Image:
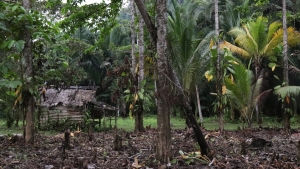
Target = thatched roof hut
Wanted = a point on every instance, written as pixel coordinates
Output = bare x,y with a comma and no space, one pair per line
69,104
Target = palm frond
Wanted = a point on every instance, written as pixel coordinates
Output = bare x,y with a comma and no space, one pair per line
293,40
256,91
258,30
293,37
249,43
288,90
274,26
237,31
235,49
294,71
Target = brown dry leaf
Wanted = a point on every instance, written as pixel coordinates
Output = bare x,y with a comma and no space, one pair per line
135,164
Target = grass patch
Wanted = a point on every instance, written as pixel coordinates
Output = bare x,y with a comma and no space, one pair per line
13,130
127,124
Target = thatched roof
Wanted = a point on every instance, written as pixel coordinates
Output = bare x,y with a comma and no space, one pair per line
73,98
67,97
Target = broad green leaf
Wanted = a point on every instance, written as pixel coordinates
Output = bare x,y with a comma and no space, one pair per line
141,96
14,7
127,91
4,70
23,9
273,58
20,45
30,90
214,52
16,83
3,27
144,82
11,43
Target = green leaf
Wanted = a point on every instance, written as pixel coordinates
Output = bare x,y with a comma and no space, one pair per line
23,9
30,90
3,27
14,7
65,64
127,91
272,65
20,45
214,52
276,77
4,70
123,74
273,58
11,43
141,96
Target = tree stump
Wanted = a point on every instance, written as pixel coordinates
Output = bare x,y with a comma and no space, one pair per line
243,147
298,152
90,132
67,139
118,143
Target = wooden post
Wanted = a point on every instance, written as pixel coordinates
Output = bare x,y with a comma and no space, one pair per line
118,143
90,132
67,139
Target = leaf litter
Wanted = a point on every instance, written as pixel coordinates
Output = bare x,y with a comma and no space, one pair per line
248,148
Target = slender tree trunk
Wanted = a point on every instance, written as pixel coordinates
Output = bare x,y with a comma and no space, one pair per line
162,103
132,27
150,25
287,115
218,67
163,114
28,77
205,149
139,125
199,106
141,49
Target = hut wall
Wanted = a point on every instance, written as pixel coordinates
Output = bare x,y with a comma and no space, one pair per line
61,113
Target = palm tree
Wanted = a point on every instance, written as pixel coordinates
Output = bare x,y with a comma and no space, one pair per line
240,89
186,48
256,40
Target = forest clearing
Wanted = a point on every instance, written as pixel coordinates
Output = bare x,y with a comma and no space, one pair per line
69,70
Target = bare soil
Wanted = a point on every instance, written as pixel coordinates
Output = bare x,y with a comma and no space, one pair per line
248,148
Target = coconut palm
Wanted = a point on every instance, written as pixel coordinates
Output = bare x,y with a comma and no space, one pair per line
256,40
185,46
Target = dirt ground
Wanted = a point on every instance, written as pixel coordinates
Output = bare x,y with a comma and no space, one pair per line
248,148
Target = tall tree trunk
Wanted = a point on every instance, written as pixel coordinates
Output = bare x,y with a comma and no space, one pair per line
287,115
205,150
132,27
139,125
218,67
28,77
163,114
199,106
